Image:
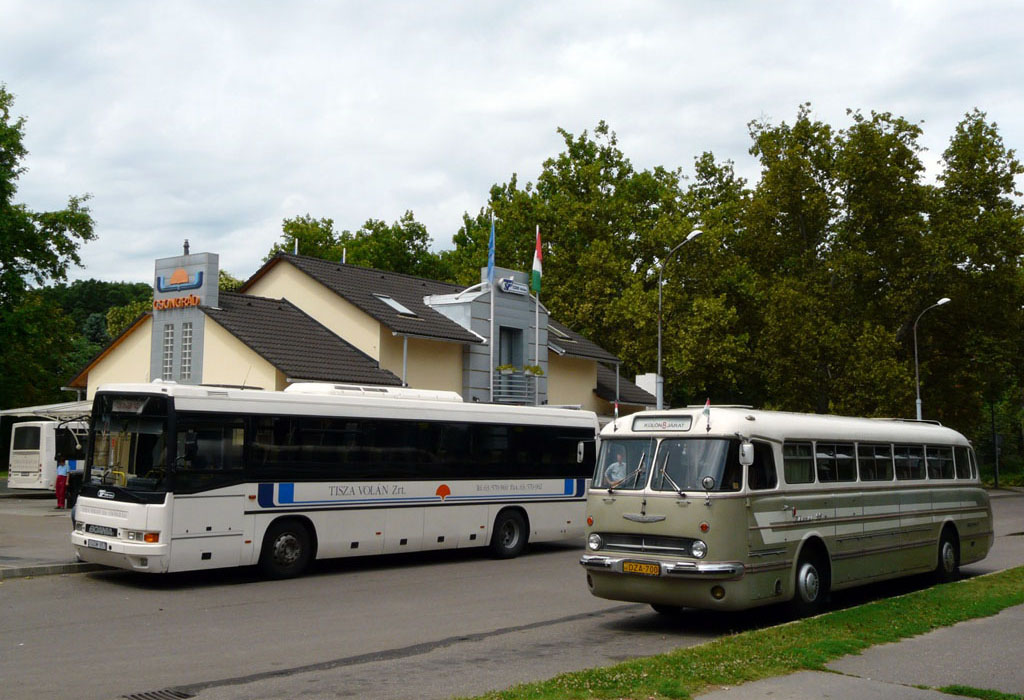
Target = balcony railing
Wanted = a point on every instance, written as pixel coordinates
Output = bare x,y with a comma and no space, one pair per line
514,388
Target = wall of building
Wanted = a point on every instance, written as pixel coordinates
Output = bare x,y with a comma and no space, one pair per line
180,286
284,281
228,360
128,361
511,310
571,382
431,364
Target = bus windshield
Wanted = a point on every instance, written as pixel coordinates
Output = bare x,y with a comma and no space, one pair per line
129,445
624,464
682,465
679,464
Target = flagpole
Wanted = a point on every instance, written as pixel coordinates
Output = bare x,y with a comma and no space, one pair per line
490,288
536,345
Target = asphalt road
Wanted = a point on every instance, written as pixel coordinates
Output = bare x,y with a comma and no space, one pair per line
421,626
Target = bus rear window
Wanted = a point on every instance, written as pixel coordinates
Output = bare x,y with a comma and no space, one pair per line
26,438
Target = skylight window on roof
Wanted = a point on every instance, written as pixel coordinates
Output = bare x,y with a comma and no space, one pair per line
396,305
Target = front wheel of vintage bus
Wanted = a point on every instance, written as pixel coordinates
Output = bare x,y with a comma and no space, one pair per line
812,585
509,537
286,549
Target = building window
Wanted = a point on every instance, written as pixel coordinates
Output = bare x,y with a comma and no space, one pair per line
167,372
510,346
186,352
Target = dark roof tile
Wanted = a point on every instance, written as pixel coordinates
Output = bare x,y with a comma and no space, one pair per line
294,342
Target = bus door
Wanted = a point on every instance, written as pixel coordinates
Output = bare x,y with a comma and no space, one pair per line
208,519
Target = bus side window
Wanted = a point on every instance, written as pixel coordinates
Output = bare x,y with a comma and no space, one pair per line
798,462
963,466
761,474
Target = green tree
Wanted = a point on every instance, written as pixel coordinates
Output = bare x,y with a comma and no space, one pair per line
973,348
120,317
226,282
603,226
403,246
35,248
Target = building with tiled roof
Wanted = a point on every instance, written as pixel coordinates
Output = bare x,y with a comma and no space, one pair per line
306,319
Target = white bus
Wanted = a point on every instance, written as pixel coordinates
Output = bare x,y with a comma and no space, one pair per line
190,477
34,452
730,508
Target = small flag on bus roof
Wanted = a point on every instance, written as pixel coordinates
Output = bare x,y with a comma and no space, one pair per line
707,412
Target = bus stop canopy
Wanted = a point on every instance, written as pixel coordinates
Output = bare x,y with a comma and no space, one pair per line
52,411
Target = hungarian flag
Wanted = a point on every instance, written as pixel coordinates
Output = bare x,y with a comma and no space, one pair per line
535,279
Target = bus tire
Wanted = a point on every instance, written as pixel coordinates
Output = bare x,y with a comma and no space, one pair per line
287,550
811,585
508,539
948,566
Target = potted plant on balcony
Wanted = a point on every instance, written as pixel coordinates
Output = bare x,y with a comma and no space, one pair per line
505,369
535,370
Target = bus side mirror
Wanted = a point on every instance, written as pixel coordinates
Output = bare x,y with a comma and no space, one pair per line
746,454
580,451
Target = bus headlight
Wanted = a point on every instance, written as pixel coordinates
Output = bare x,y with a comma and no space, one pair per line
699,549
79,526
147,537
594,541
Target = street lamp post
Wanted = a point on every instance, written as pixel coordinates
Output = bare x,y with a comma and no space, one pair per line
659,380
917,376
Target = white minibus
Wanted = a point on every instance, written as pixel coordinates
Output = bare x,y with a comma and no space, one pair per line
34,450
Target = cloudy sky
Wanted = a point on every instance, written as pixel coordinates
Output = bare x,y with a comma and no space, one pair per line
215,120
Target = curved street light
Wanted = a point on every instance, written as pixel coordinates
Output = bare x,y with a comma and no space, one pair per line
659,380
917,376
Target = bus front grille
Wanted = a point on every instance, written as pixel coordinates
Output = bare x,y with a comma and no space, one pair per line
647,544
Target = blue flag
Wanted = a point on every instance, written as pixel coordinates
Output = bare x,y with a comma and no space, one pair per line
490,255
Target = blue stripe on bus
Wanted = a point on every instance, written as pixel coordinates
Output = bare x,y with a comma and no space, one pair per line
286,496
266,495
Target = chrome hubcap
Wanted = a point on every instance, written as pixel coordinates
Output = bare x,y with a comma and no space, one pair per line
948,557
808,583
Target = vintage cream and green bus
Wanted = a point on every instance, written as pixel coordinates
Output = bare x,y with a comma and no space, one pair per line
730,508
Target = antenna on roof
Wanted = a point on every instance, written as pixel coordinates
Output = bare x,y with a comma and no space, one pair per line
186,246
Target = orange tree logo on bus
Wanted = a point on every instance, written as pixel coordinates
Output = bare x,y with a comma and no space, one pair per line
443,491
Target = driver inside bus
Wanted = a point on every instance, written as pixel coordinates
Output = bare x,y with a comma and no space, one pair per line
616,472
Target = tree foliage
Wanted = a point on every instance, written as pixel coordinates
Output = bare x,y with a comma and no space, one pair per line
403,246
35,248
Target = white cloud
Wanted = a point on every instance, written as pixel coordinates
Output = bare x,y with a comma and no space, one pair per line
214,121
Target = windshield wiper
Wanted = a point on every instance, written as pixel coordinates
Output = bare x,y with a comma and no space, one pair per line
664,475
633,473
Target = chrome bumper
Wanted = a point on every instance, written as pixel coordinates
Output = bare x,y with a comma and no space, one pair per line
676,569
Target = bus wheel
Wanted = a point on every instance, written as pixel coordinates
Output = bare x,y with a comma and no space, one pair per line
286,549
948,566
811,586
509,537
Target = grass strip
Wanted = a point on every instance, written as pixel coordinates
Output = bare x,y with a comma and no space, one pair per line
967,691
781,650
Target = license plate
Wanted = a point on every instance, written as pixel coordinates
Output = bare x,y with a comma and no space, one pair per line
96,544
642,568
101,530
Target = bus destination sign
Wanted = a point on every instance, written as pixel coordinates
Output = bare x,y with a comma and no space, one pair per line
662,423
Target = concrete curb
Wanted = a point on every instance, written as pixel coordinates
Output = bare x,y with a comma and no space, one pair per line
49,570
